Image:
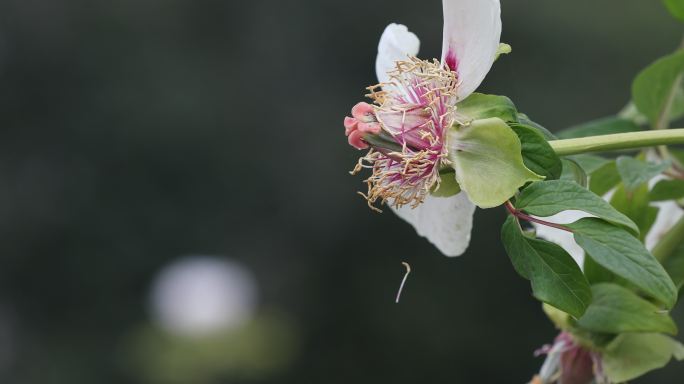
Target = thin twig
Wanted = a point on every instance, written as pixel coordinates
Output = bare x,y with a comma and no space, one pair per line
520,215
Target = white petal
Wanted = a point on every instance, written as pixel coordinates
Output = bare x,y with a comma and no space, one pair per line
668,215
396,43
563,238
472,31
445,221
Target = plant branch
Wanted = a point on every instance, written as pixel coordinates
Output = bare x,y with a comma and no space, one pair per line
618,141
520,215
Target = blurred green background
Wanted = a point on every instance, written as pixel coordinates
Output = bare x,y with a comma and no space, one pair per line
136,133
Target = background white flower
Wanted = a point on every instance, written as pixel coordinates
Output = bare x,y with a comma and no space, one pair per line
199,295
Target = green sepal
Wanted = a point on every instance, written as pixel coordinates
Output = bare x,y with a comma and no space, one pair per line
503,49
480,106
448,185
486,155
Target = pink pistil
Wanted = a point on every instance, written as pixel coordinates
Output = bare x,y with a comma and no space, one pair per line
363,121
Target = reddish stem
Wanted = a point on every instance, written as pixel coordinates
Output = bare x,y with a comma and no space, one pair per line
520,215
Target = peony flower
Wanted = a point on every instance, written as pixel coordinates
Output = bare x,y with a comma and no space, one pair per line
414,106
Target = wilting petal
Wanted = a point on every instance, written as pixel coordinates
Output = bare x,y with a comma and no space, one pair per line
563,238
396,43
445,221
472,30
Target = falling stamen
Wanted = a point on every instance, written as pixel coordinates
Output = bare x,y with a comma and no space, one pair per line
403,281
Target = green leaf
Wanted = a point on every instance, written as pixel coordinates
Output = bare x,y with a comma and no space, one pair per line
524,119
667,190
604,126
621,253
448,185
635,172
655,86
676,8
573,171
486,155
480,106
538,155
550,197
631,355
590,163
595,273
615,309
635,205
556,279
604,179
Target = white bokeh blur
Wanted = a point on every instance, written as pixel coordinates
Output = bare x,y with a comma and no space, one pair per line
197,296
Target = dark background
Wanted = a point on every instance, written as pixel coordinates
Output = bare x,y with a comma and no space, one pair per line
135,132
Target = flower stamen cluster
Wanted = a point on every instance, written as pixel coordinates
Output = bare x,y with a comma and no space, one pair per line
414,110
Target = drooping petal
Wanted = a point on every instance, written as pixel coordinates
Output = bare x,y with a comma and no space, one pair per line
396,43
472,31
445,221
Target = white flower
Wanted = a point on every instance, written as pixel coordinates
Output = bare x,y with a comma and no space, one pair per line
472,30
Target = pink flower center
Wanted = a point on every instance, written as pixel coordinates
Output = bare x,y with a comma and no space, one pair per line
413,112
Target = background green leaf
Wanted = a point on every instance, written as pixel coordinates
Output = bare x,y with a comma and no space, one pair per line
654,85
635,205
634,172
604,179
556,279
676,8
615,309
604,126
667,190
621,253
